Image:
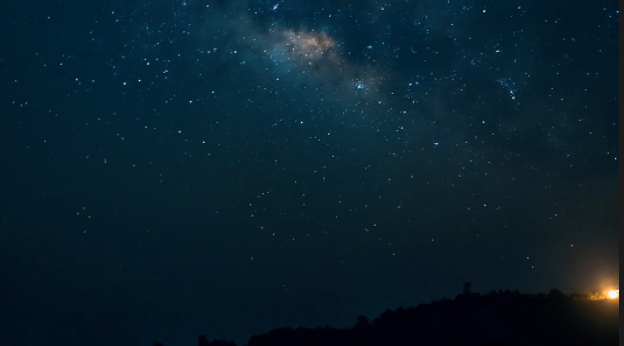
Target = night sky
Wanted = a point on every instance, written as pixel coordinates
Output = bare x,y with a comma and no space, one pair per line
176,168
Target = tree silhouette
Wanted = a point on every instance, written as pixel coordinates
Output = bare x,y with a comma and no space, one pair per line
203,341
362,322
502,318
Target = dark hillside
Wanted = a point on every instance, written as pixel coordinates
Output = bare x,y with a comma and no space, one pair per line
497,318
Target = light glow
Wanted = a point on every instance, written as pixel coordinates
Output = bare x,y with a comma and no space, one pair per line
613,294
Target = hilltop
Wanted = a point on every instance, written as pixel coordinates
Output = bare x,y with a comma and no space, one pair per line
497,318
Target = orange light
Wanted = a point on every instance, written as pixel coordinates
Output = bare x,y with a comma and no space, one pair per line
613,294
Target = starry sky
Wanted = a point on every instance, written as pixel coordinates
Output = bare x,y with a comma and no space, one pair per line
176,168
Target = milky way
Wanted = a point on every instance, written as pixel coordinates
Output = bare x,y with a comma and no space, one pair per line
229,167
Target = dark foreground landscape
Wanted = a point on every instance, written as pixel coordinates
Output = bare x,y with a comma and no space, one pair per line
497,318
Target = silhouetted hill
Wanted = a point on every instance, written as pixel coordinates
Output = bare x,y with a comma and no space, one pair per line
497,318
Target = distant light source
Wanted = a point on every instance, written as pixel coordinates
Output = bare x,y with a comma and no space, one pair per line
613,294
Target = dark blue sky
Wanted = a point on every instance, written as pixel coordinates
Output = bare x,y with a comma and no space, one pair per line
225,168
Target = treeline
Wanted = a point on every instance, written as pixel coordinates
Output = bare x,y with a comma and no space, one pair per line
497,318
